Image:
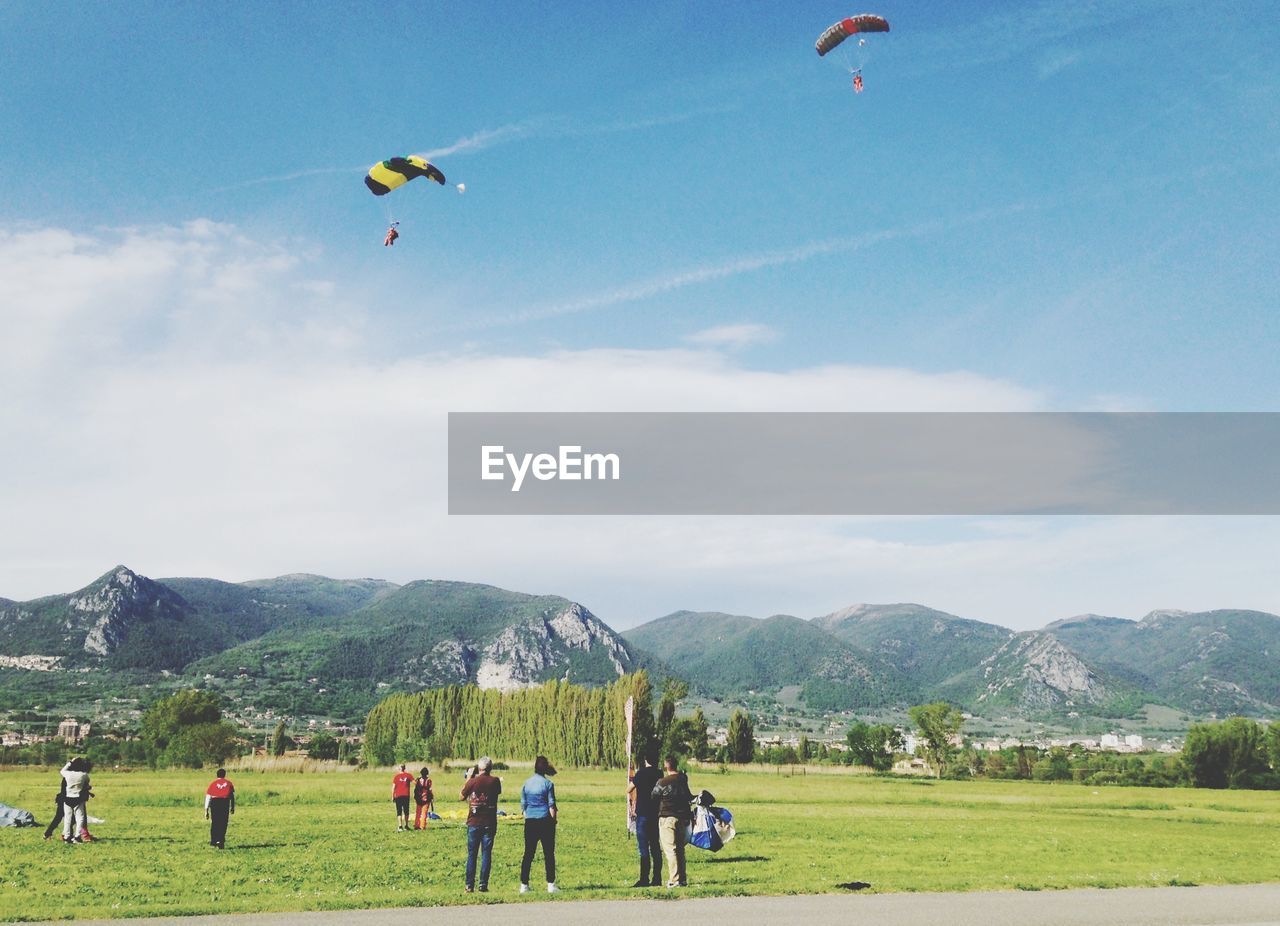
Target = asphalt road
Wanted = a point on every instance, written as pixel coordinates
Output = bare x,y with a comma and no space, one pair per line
1253,904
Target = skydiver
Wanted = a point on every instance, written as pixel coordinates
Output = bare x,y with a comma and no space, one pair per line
857,82
392,235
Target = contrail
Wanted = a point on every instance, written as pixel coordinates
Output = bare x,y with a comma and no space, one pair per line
645,289
539,127
483,139
476,141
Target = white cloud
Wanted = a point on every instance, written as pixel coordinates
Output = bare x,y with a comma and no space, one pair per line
189,401
1055,61
733,336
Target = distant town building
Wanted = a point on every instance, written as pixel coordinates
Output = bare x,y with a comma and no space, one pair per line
1110,741
1133,741
72,732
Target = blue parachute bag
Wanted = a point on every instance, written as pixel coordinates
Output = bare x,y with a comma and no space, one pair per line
703,832
712,826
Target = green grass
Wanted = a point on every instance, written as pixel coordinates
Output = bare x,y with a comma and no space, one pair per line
327,841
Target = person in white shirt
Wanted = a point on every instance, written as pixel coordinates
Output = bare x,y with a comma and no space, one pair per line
74,824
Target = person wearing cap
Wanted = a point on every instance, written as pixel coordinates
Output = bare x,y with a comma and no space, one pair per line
481,794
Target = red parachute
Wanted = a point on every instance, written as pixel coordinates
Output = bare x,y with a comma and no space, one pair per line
864,22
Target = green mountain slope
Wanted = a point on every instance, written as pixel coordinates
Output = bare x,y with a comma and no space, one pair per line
119,621
314,646
926,645
726,654
243,611
1034,673
1220,662
420,635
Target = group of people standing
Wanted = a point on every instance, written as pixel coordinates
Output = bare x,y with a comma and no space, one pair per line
481,791
660,805
404,785
538,805
75,792
660,802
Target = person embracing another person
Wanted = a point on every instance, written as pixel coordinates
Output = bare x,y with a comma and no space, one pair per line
674,816
481,793
75,779
59,810
538,804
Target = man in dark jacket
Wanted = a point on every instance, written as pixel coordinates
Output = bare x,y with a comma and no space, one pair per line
674,815
481,794
645,810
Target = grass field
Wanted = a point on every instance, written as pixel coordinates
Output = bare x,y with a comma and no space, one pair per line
328,841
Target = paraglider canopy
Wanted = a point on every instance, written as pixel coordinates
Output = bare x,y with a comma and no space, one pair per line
837,33
385,176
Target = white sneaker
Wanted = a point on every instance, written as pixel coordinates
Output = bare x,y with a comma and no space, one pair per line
551,888
399,829
524,889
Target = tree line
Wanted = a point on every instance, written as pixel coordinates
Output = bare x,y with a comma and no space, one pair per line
569,724
1234,753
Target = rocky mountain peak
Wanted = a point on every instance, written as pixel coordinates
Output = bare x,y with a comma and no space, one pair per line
114,602
1038,671
1161,616
523,653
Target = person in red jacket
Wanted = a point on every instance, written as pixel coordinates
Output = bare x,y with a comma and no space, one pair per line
219,804
401,789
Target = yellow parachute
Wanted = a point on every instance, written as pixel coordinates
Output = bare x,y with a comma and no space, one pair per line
385,176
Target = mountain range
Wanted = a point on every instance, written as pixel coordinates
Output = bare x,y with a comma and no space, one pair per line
313,646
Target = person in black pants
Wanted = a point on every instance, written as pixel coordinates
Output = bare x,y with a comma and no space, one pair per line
645,810
58,811
219,804
538,803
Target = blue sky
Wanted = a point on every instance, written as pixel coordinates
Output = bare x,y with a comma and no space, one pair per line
1072,204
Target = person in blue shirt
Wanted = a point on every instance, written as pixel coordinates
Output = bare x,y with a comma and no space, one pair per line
538,803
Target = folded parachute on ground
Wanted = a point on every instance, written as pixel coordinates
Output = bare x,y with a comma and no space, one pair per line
14,816
865,22
385,176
